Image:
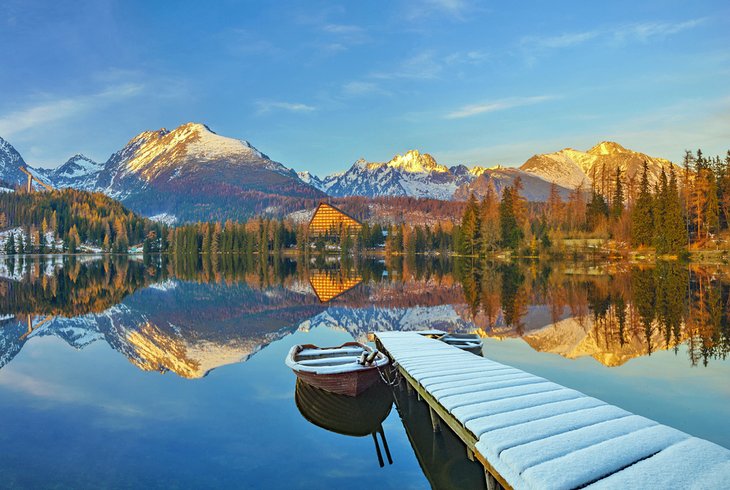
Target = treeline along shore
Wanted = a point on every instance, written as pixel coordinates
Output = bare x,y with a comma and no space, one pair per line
686,211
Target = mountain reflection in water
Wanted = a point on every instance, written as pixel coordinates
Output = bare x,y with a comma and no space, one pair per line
191,316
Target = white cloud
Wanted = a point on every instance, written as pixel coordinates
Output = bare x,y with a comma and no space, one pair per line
497,105
53,110
270,105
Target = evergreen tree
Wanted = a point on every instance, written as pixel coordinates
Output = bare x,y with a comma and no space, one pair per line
512,233
661,205
489,211
642,223
674,228
617,201
10,245
596,211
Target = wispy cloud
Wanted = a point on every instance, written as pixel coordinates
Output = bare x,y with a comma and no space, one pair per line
53,110
422,66
562,41
346,29
644,31
638,31
497,105
473,57
456,9
265,106
357,87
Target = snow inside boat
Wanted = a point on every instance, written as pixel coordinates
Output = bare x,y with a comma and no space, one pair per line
348,369
469,342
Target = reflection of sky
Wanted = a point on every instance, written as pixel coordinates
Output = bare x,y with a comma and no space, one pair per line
90,418
661,386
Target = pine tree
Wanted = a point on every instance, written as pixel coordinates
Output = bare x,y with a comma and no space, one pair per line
489,211
10,245
642,223
661,204
617,201
596,211
512,233
674,228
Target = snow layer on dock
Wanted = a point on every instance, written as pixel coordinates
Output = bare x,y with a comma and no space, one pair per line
538,434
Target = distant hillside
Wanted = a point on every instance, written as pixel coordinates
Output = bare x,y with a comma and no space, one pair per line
81,216
570,168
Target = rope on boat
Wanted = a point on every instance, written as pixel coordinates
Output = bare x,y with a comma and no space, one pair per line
391,371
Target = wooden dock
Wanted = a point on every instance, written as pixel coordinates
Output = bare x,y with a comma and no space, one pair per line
528,432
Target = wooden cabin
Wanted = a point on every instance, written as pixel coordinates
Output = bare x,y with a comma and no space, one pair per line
328,220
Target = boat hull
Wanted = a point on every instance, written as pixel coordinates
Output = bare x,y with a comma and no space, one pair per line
349,383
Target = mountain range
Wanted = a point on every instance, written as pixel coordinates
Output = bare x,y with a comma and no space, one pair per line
192,173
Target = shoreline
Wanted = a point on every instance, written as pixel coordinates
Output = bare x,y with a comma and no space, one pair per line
646,256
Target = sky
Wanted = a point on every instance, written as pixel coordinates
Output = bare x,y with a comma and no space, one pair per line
318,84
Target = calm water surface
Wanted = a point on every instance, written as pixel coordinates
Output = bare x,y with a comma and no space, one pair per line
120,373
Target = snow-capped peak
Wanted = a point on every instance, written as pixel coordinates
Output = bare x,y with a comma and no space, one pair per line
607,148
151,152
202,141
414,161
78,166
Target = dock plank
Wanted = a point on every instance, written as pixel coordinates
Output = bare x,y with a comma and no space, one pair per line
529,432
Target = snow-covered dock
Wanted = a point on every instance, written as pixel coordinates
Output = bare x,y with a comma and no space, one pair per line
531,433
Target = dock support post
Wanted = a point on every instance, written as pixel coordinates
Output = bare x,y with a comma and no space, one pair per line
435,420
469,453
491,481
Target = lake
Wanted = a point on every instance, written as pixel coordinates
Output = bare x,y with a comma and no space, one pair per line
129,373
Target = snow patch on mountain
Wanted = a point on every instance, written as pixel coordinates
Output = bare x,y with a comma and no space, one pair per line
166,218
413,174
79,172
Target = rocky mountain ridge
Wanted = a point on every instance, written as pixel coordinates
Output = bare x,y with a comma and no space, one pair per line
192,173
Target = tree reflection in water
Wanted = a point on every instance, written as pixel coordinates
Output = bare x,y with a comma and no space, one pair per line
160,310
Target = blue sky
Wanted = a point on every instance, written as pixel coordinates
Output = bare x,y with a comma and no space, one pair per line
316,85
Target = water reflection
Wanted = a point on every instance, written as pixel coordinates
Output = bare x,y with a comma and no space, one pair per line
192,316
358,416
441,454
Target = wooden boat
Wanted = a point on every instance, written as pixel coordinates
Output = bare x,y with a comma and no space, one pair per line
469,342
348,369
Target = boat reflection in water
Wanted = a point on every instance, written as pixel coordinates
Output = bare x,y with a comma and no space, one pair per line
442,455
351,416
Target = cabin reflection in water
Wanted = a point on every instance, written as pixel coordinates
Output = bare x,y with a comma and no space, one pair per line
441,454
328,285
358,416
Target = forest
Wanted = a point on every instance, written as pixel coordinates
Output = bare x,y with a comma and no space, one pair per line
687,209
66,219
